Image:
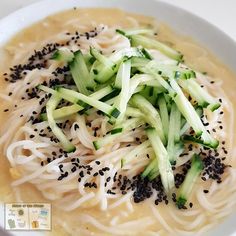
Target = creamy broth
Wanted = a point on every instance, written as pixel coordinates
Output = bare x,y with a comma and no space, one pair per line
196,56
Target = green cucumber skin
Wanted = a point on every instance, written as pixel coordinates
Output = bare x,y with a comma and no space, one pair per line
164,166
150,112
50,107
189,181
137,40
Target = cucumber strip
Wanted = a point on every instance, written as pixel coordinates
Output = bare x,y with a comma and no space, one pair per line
101,58
135,31
139,89
139,61
66,111
110,138
43,117
132,124
144,79
168,70
183,73
112,95
151,94
63,55
134,112
164,166
102,72
137,80
105,94
168,100
153,174
63,112
174,132
203,98
153,165
80,74
67,94
176,120
118,81
47,89
150,113
147,54
156,84
89,60
135,152
118,56
109,65
191,116
50,107
123,98
190,138
102,93
154,72
111,101
164,114
186,126
189,181
123,74
116,130
137,40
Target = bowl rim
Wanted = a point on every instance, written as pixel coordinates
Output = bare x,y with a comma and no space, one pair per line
222,45
15,20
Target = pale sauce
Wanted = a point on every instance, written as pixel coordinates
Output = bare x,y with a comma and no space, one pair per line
196,56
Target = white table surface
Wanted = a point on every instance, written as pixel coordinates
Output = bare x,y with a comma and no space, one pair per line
219,12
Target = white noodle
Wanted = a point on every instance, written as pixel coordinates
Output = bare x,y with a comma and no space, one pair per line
69,194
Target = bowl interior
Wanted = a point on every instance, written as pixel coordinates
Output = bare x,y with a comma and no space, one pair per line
183,22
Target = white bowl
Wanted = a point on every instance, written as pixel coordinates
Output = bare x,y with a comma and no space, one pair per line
180,20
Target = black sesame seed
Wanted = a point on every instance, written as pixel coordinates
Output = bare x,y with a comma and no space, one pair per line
60,177
110,192
95,174
76,126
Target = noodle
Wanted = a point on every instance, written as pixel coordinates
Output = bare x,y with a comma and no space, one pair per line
100,205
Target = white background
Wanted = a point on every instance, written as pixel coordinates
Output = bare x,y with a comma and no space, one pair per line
221,13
